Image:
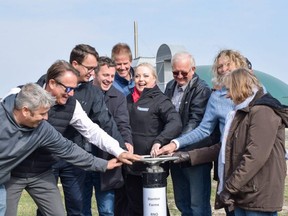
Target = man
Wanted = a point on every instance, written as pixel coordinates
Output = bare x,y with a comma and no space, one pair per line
106,183
219,105
124,81
122,55
35,171
23,130
189,94
84,58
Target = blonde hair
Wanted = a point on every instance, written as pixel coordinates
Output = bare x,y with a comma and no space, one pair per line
150,67
232,56
240,83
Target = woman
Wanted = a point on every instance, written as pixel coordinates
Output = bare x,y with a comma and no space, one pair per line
253,148
154,122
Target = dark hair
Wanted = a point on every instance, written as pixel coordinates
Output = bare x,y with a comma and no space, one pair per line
58,68
80,51
104,60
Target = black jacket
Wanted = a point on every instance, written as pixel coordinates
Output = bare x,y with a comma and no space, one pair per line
192,108
117,106
92,102
153,119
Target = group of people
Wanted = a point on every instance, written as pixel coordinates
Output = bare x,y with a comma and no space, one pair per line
114,113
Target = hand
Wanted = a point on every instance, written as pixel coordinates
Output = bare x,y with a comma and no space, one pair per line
155,149
183,157
225,197
167,149
128,158
113,163
129,147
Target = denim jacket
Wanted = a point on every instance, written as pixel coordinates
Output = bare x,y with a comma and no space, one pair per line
217,108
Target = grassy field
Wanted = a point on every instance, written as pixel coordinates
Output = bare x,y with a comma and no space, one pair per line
27,206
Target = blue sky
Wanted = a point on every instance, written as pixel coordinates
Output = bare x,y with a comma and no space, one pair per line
35,33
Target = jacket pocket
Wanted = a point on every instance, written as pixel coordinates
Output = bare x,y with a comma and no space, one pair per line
249,187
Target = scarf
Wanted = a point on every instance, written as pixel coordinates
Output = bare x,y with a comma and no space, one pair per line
228,121
136,95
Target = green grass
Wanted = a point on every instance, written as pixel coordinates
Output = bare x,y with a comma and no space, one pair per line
27,206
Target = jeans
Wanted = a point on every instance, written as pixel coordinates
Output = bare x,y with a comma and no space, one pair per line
72,179
243,212
2,200
105,199
192,189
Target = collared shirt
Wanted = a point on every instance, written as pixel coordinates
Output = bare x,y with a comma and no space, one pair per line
217,108
177,96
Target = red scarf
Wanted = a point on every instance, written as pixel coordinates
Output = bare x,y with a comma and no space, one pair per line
136,95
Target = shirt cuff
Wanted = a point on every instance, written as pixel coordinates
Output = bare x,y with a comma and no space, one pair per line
176,142
118,152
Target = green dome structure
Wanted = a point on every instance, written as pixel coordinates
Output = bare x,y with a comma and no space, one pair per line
274,86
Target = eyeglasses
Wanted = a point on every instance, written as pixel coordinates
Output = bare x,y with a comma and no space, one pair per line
67,88
89,69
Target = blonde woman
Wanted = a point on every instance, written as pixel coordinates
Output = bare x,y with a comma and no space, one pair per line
253,149
154,122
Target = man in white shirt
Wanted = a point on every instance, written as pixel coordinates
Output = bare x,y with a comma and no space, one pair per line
34,173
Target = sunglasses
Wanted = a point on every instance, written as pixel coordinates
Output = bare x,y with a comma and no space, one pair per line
183,73
67,88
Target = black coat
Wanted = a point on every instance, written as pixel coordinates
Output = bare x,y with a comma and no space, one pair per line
91,100
192,108
153,119
117,106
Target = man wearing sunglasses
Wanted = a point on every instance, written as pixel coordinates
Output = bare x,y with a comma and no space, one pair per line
189,94
34,173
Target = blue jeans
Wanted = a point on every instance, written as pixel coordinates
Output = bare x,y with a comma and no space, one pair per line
105,199
243,212
2,200
72,179
192,189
